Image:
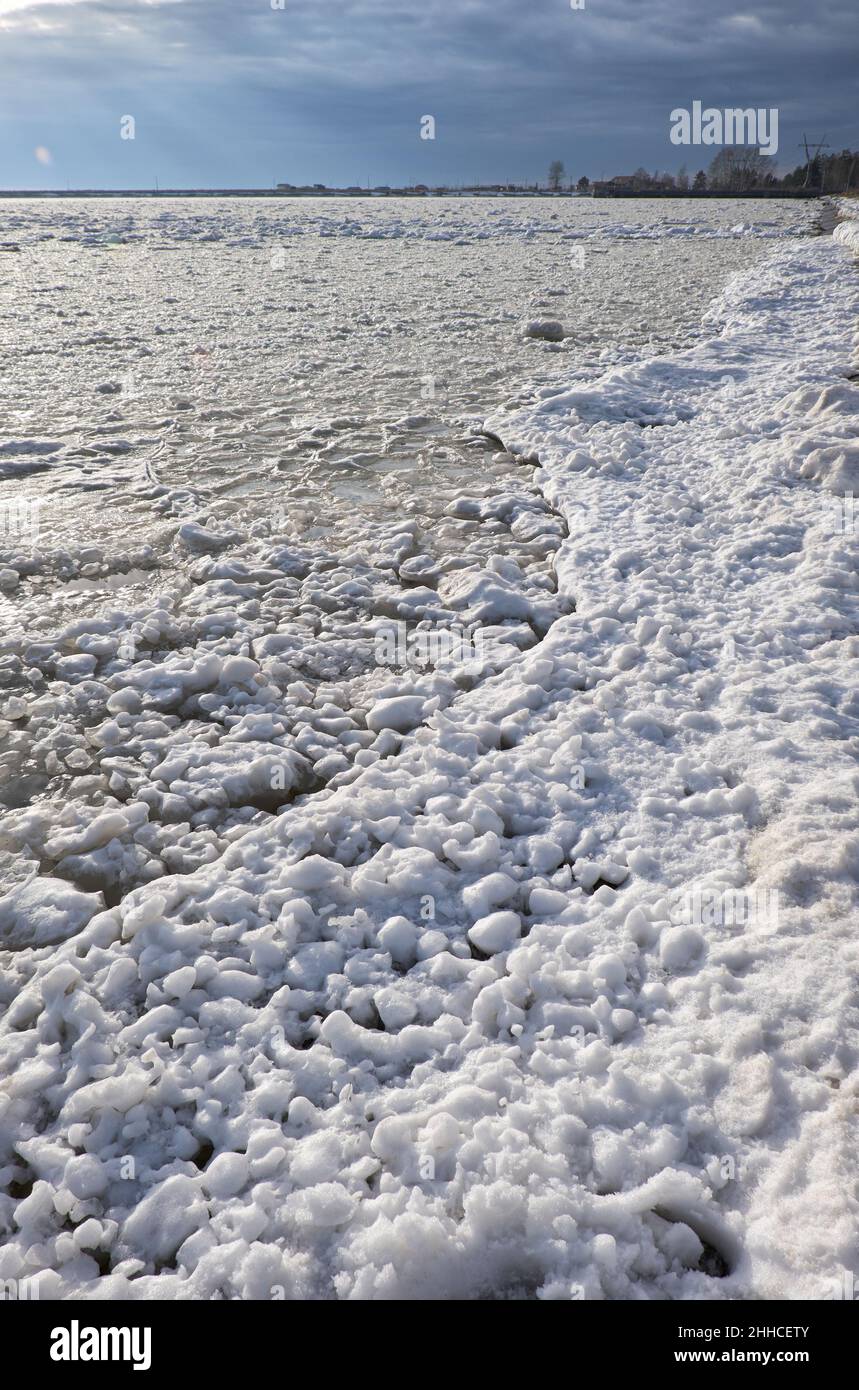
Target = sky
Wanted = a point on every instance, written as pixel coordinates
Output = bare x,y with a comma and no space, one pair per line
249,93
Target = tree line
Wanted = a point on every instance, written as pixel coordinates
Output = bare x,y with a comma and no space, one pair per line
735,169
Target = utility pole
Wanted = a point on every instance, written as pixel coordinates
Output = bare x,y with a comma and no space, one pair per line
821,145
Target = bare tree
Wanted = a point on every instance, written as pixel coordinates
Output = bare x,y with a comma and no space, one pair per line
556,174
738,168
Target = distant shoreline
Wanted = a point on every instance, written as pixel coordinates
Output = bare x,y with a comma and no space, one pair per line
792,193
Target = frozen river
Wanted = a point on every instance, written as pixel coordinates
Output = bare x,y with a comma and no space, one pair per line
338,960
318,362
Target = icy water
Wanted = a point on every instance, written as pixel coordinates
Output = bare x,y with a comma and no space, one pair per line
320,362
223,420
327,973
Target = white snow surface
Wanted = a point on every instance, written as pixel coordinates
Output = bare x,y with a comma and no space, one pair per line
847,231
438,1029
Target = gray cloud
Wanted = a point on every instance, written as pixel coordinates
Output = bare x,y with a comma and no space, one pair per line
232,91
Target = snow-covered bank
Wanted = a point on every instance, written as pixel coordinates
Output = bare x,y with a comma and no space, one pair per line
446,1026
847,231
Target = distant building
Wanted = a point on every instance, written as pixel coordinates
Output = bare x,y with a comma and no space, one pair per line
639,182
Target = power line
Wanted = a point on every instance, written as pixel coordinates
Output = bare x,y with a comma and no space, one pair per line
821,145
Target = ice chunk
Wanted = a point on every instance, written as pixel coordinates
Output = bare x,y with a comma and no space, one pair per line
402,713
550,330
498,932
164,1218
43,911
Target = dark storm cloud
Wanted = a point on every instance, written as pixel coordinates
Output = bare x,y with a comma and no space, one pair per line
233,91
